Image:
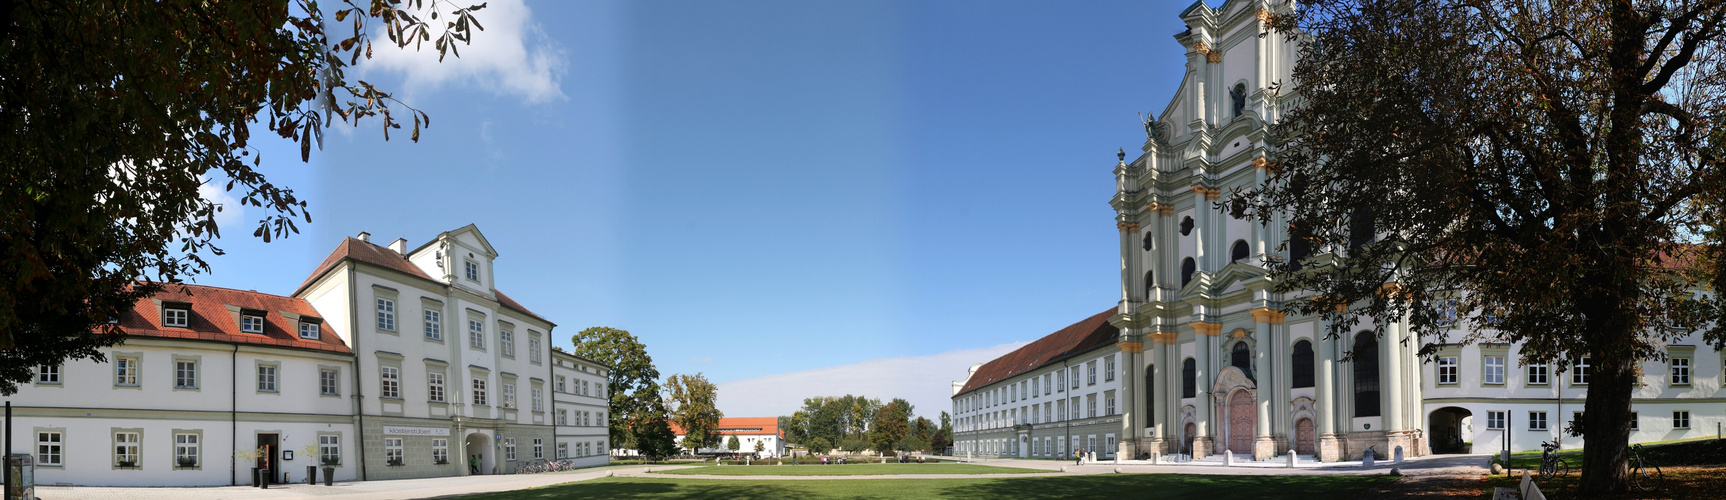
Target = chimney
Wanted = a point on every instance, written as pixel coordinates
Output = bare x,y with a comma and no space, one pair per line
400,245
365,236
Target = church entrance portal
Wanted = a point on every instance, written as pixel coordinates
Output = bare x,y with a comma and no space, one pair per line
1241,422
1449,428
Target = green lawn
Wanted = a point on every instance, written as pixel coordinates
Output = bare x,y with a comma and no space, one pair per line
1028,488
848,470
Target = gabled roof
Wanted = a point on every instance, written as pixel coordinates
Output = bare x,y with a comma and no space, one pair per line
741,426
509,303
210,319
1076,339
370,253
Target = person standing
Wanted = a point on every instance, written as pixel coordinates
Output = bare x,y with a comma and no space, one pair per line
473,463
1076,454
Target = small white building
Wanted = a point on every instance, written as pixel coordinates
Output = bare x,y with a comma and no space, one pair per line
749,431
578,393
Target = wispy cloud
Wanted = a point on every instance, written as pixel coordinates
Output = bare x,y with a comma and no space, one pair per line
512,56
925,381
231,210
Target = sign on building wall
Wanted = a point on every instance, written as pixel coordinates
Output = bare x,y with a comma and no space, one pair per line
396,430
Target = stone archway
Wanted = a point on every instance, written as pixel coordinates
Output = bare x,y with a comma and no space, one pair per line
1234,395
1448,428
1191,432
1242,421
478,445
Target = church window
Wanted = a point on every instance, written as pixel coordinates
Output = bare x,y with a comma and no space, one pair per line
1147,240
1150,282
1238,97
1186,226
1187,269
1239,251
1366,403
1302,364
1242,357
1189,378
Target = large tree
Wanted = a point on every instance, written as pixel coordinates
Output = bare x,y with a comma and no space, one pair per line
890,428
694,405
632,381
114,113
1538,172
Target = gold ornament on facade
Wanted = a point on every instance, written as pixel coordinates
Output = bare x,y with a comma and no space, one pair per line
1394,291
1267,315
1239,333
1208,193
1161,208
1203,328
1214,57
1131,227
1201,48
1131,346
1264,16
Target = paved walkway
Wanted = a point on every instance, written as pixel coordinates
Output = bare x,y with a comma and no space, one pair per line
457,486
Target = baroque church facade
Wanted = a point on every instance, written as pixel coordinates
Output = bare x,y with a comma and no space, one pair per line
1209,362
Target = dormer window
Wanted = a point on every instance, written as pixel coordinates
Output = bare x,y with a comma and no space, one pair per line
308,330
251,323
174,316
472,270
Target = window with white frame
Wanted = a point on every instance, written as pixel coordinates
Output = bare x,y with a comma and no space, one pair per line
533,349
1109,403
308,330
1579,372
126,370
538,398
506,341
126,449
48,374
584,387
1495,420
538,448
434,324
393,452
1447,370
435,387
251,324
560,384
390,382
563,417
328,384
1680,371
1537,421
266,378
1091,373
479,391
1537,373
509,449
1635,423
175,317
472,270
508,395
186,449
330,449
562,451
185,374
386,315
1494,374
476,334
1091,405
440,451
1681,419
1075,377
1109,368
1046,387
49,448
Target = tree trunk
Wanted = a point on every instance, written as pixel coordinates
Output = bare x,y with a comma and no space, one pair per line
1606,426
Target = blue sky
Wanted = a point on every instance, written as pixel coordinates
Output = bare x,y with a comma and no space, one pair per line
805,193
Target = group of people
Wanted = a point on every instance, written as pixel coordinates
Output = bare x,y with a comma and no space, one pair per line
905,459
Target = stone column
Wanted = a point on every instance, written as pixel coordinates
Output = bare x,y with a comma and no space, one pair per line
1264,447
1390,390
1328,448
1158,408
1127,446
1202,333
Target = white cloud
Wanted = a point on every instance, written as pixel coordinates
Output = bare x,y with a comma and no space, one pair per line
512,56
925,381
231,208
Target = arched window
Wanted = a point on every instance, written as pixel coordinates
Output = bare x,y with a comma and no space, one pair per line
1365,374
1187,269
1239,96
1238,252
1302,364
1361,228
1242,357
1150,282
1186,226
1147,241
1189,378
1298,251
1150,395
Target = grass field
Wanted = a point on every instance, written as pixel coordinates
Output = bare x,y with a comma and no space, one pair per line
848,470
1028,488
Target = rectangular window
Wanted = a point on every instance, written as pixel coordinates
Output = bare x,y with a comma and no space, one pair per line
390,379
1680,371
1537,374
266,378
434,387
533,350
563,417
1537,421
186,450
386,315
1495,420
327,383
538,448
48,449
508,395
440,451
330,449
1109,369
509,449
251,324
1446,370
1091,406
476,334
434,324
1091,373
562,451
1579,372
1494,370
479,392
472,270
1075,377
560,384
506,340
1046,384
48,374
1635,424
175,318
538,399
1681,419
393,451
1109,403
126,371
125,449
185,375
309,331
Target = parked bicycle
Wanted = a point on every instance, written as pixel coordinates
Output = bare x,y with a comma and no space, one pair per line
1646,475
1550,464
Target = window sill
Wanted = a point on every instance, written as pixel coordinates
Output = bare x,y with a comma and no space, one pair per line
191,389
270,393
1682,386
195,467
128,386
329,395
437,339
390,398
48,384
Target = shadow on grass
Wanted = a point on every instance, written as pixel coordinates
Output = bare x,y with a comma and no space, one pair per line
654,489
1169,486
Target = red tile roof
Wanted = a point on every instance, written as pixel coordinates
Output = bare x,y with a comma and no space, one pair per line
371,253
505,301
742,426
210,320
1075,339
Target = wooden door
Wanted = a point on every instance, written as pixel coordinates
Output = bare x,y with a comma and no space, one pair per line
1242,418
1304,443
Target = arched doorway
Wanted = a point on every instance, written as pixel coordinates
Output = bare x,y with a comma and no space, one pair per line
1192,431
1304,439
478,446
1241,422
1449,428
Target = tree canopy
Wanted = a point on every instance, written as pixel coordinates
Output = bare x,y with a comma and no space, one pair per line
890,428
694,405
1538,172
114,113
632,382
